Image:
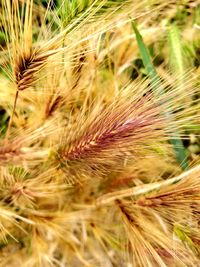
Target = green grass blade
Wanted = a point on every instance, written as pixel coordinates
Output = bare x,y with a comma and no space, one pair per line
2,38
156,84
176,58
151,72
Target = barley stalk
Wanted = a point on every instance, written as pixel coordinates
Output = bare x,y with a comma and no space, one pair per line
148,188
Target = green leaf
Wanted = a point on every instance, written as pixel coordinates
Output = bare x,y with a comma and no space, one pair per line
2,38
158,89
183,235
3,123
175,46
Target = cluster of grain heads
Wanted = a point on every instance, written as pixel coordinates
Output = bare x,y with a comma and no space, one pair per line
88,170
170,209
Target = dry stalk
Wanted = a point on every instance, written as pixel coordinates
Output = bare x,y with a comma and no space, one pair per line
148,188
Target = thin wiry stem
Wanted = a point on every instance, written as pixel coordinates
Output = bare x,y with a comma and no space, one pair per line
11,118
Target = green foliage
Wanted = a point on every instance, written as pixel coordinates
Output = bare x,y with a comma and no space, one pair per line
4,117
176,141
76,11
2,38
175,48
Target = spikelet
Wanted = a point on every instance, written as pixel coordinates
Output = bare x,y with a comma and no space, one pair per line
115,133
26,68
112,136
176,207
155,247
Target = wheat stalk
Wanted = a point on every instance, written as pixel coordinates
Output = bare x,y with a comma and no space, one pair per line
145,189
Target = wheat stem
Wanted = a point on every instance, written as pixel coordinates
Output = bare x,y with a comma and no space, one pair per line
145,189
11,118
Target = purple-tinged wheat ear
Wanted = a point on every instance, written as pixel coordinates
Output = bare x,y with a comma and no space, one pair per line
116,130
